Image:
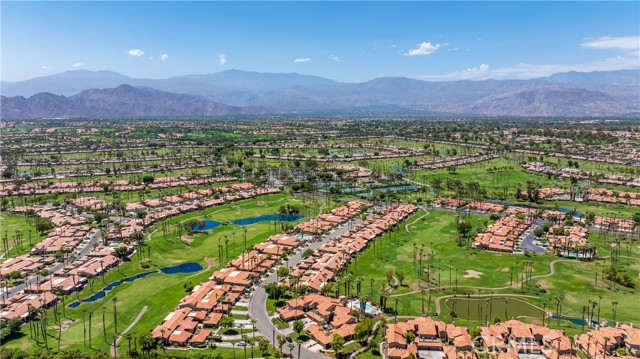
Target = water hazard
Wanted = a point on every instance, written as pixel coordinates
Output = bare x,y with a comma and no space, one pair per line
211,224
181,268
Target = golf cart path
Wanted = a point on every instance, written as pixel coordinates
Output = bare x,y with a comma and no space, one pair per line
406,226
551,272
437,300
135,321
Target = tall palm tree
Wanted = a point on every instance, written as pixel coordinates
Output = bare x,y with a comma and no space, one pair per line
90,315
104,328
396,310
599,299
128,337
84,329
115,315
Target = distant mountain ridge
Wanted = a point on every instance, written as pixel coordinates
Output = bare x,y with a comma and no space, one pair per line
119,102
102,94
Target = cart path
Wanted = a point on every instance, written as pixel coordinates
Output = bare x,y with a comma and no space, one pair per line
437,300
551,272
135,321
406,226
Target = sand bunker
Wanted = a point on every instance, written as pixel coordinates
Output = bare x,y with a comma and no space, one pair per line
472,274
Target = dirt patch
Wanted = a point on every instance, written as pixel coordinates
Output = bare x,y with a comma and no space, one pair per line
505,269
545,285
404,258
472,274
570,298
66,324
415,285
187,239
210,262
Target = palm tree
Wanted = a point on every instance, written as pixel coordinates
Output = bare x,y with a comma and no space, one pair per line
281,340
115,316
84,329
599,299
128,337
371,286
358,285
396,310
244,339
162,331
593,307
104,328
90,315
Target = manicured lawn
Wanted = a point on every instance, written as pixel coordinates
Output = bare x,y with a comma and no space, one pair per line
10,224
494,175
573,280
281,324
600,209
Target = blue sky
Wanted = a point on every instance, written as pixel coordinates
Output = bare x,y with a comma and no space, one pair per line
344,41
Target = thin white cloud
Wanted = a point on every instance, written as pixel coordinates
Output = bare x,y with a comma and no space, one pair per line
471,73
619,43
425,48
335,58
45,67
135,52
77,64
529,71
302,60
164,57
629,59
222,59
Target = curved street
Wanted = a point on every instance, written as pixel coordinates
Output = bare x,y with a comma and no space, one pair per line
258,300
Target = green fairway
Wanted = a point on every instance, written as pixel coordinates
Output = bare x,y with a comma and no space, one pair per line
485,310
483,273
12,224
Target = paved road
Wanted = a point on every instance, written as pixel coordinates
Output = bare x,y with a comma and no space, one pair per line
527,241
33,280
257,303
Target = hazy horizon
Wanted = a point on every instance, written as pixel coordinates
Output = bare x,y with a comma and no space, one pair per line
346,42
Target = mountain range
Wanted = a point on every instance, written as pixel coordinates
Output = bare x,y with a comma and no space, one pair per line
107,94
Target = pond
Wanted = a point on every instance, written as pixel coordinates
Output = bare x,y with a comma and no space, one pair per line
210,224
573,320
560,209
181,268
489,308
